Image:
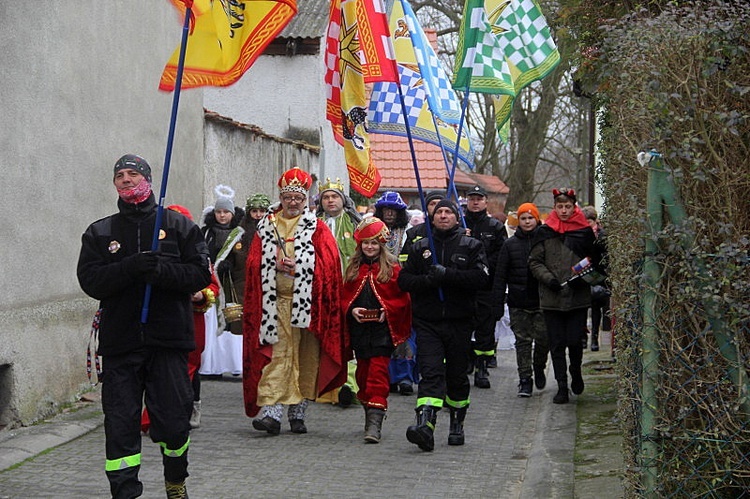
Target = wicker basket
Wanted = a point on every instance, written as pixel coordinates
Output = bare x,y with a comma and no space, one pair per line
232,312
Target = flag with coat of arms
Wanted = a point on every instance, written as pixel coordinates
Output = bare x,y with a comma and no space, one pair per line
226,37
358,51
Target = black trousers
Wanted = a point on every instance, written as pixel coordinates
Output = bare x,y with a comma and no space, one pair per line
443,361
162,376
484,326
564,331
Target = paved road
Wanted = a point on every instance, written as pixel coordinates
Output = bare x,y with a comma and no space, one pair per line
515,448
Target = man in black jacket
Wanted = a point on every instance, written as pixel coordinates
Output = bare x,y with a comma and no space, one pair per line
443,291
491,232
562,245
418,232
144,357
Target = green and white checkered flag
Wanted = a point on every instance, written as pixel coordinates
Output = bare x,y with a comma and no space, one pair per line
503,46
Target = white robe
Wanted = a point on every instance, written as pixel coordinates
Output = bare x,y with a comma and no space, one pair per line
223,353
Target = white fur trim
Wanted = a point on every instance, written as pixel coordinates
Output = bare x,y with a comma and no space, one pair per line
304,253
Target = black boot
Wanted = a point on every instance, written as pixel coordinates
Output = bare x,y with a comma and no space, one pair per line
576,379
525,387
540,378
594,341
422,432
373,423
456,432
562,396
481,375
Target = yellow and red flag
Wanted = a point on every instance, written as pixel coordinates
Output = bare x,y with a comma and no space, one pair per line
358,50
332,76
378,59
226,39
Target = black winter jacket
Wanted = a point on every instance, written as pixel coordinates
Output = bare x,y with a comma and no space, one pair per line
512,270
490,231
103,274
215,234
466,272
413,234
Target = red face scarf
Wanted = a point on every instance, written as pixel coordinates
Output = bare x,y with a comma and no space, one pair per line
137,194
576,221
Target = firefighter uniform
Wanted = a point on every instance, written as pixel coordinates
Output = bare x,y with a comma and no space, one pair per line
147,359
443,294
491,232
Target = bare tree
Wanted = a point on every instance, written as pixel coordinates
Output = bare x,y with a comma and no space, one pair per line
545,143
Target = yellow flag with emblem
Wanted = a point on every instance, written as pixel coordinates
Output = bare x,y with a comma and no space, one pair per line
226,37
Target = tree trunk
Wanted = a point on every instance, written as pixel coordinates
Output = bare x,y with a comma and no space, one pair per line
530,131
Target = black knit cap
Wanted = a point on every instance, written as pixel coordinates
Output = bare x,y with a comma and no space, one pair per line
133,162
446,203
431,195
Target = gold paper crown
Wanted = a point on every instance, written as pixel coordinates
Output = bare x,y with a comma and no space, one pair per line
331,185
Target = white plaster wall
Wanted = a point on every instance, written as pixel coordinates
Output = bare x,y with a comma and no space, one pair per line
278,92
78,88
248,162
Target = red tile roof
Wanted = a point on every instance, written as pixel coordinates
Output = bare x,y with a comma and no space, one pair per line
391,156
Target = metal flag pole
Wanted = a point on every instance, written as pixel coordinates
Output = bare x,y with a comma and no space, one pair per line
168,155
428,224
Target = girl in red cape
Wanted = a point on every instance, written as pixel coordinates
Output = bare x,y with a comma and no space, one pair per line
378,318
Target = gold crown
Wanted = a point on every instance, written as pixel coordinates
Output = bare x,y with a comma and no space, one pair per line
337,185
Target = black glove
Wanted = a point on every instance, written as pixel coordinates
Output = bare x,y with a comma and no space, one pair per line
436,274
554,285
141,264
578,283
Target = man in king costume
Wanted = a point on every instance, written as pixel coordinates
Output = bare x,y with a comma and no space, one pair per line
338,211
294,343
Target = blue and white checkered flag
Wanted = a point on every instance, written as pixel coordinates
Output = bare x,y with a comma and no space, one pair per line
385,105
441,97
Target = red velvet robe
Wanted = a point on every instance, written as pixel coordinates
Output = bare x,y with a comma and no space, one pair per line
326,322
397,303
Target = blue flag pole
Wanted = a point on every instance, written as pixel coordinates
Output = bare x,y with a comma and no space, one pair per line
422,201
167,156
451,182
447,167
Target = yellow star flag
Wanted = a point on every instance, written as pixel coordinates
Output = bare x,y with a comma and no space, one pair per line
226,38
363,175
